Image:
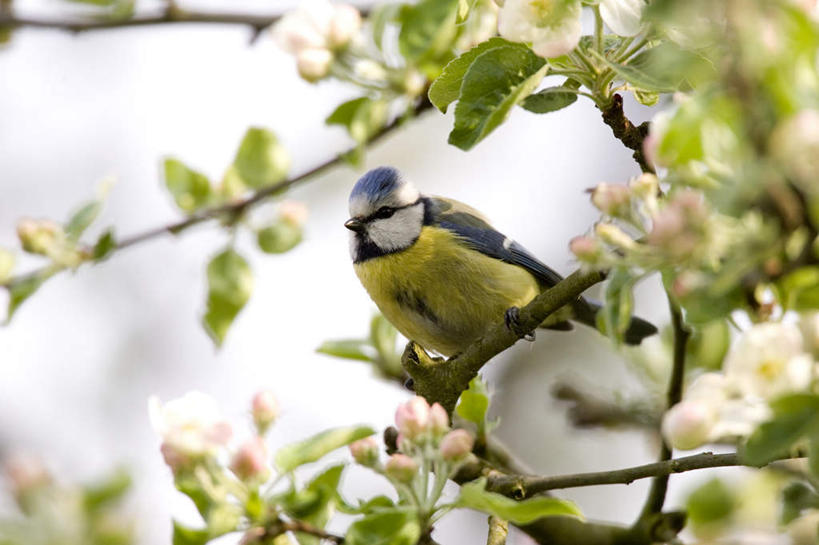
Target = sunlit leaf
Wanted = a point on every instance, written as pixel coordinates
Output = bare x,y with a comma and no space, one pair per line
230,283
711,503
314,448
105,245
261,160
82,219
182,535
795,416
189,188
551,99
279,237
497,80
427,28
474,402
398,527
474,496
351,349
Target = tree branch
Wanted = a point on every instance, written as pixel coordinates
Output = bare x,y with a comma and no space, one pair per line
232,209
169,15
656,495
498,530
624,130
589,410
442,381
526,486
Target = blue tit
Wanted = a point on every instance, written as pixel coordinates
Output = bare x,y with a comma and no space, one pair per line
438,270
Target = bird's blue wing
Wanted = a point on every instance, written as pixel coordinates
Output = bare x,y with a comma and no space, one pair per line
478,234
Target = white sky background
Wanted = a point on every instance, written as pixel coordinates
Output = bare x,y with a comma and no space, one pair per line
83,355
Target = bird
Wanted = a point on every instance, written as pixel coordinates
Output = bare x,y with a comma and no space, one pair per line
440,273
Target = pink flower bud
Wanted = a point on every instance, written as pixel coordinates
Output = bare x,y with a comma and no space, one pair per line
438,419
25,473
313,64
38,236
250,461
585,248
365,451
688,424
345,23
412,418
265,410
174,458
456,445
611,199
401,467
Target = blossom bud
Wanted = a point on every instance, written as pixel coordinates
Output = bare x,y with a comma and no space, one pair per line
414,82
25,473
250,461
611,234
438,419
314,63
265,410
585,248
369,70
174,458
412,418
365,451
401,467
611,199
345,23
645,185
456,445
6,264
688,424
38,236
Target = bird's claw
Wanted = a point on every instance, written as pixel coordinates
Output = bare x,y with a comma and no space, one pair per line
512,319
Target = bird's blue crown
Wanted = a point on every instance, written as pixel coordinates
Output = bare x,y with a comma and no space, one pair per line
377,184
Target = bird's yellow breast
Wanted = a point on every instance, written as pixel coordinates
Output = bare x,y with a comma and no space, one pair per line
442,294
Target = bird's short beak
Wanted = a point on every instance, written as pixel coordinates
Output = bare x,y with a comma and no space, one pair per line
354,225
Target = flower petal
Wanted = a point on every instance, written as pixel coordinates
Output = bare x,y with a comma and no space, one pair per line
622,16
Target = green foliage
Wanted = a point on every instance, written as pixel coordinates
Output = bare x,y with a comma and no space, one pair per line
230,283
363,117
183,535
190,189
82,219
23,288
104,246
260,160
799,290
708,345
475,496
797,497
710,504
447,87
795,417
615,316
389,527
279,237
378,348
673,67
111,490
497,80
313,448
552,99
427,29
316,502
473,406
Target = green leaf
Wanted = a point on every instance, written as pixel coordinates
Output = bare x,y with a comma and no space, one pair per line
385,528
21,290
189,188
104,245
230,283
382,336
446,88
350,349
708,345
496,81
380,17
362,117
797,497
639,78
314,448
800,289
795,416
474,496
261,160
474,402
713,502
183,535
550,99
619,299
107,492
673,66
278,238
82,219
315,504
427,29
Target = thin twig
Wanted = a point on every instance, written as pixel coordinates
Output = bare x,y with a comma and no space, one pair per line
235,208
498,530
632,136
656,495
525,486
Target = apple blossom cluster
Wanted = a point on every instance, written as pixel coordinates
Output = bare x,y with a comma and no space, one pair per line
768,360
425,443
554,27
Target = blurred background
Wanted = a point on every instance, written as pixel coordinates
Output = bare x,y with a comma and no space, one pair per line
83,355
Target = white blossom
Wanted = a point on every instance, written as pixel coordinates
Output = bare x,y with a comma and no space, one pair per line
190,426
313,64
688,424
622,16
769,360
317,24
552,26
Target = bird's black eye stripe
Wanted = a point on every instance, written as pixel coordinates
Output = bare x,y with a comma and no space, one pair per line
384,212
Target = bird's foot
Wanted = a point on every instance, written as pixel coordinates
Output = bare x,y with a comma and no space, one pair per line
512,319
